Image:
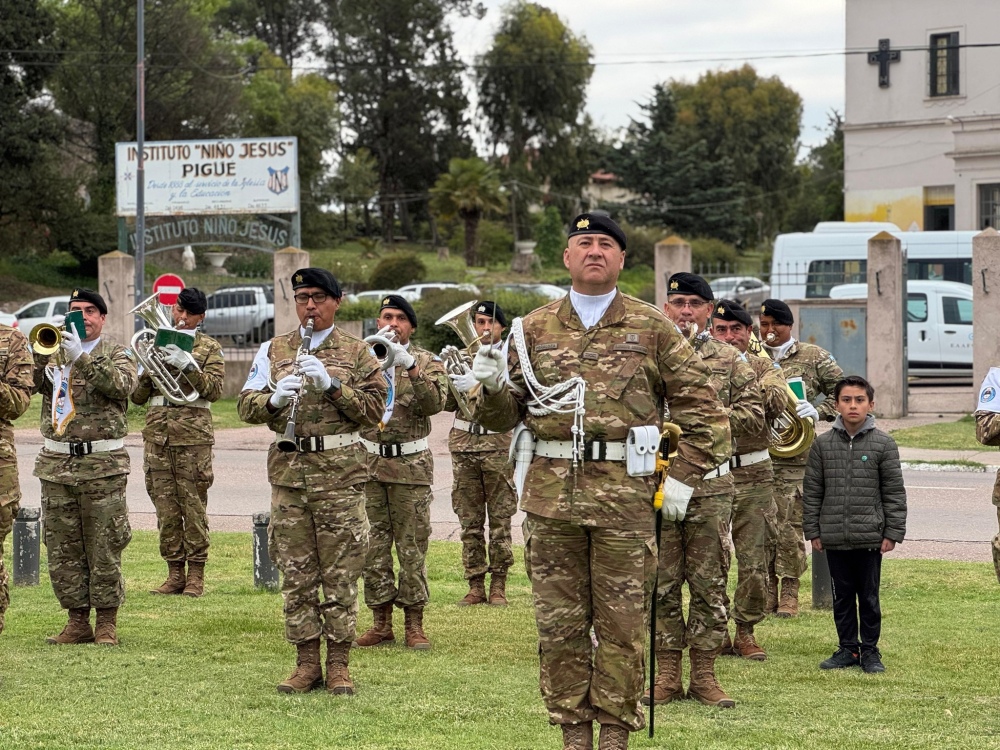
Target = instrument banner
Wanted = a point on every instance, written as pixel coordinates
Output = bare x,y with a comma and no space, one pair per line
63,408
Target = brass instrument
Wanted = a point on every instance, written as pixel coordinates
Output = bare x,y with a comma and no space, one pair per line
46,338
286,443
177,389
791,434
382,346
461,323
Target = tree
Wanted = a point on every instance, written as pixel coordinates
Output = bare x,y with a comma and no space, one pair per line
821,197
468,190
285,26
356,182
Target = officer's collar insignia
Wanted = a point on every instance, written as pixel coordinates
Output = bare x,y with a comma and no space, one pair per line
298,278
674,285
583,224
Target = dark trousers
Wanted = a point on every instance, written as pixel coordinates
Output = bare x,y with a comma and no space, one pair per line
856,576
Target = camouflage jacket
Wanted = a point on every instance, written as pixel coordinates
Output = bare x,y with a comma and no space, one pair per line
988,433
417,400
101,383
360,404
185,425
15,396
634,361
463,441
774,391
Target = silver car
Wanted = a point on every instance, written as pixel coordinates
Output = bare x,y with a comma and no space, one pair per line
748,291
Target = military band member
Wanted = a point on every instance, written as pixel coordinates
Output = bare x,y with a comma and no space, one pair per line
318,535
988,433
401,469
15,397
83,467
593,366
178,447
819,372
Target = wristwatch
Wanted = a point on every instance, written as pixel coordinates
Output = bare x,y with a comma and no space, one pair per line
334,385
412,367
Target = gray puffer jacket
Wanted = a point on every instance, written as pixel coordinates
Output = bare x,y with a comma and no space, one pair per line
853,492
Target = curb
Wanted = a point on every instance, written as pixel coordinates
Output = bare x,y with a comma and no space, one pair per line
944,466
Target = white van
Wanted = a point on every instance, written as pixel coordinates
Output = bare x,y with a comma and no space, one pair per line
806,265
938,324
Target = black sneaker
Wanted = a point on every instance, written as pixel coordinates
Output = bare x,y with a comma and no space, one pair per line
842,659
871,661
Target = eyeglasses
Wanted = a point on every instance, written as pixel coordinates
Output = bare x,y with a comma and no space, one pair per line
318,297
680,304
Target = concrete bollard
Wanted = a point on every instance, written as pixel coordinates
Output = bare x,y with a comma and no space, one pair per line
822,584
265,574
27,545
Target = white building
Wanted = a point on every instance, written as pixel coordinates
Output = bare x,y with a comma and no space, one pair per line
922,128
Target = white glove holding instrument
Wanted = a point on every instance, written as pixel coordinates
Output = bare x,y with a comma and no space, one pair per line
805,409
315,371
284,389
401,357
464,382
174,355
72,346
488,368
676,496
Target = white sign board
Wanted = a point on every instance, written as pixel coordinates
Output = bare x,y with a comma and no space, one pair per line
230,176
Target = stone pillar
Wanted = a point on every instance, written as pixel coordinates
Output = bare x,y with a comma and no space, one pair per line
886,329
985,306
286,262
670,256
116,283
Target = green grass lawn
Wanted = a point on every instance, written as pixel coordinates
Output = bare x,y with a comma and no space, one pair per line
960,435
201,673
224,415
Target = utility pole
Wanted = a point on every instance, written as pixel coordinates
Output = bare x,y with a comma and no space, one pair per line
140,127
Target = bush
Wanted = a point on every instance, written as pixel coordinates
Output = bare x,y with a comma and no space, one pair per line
551,237
496,243
641,241
251,265
709,252
361,310
396,270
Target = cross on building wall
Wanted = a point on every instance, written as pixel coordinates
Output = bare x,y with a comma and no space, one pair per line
882,58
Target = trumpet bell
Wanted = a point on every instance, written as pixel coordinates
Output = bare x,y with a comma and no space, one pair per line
45,339
382,347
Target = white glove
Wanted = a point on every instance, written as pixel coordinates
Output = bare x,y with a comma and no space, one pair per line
315,370
805,409
401,357
464,382
72,346
284,389
488,368
174,355
676,496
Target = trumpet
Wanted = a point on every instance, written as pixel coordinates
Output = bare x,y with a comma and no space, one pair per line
791,435
177,389
286,443
382,346
45,338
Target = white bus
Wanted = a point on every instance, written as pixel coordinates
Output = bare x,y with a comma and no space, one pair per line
806,265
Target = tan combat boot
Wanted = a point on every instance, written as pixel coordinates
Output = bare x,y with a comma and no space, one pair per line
175,579
477,592
727,646
415,637
338,678
667,686
77,630
746,645
578,736
788,602
498,589
308,673
704,686
106,629
613,737
195,579
381,629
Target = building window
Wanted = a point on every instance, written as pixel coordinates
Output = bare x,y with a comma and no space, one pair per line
944,64
989,206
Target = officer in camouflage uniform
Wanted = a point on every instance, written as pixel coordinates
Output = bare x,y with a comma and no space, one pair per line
15,396
83,467
483,479
754,509
590,544
695,550
819,372
988,433
318,534
401,469
178,448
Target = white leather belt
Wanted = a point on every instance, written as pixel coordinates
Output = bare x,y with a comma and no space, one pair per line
394,450
318,443
473,428
85,448
593,450
749,459
719,471
162,401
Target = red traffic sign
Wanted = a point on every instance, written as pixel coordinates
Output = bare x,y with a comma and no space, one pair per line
167,287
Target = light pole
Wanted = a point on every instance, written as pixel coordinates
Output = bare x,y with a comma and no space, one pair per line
140,127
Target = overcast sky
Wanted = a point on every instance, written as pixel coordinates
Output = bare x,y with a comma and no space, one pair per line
638,43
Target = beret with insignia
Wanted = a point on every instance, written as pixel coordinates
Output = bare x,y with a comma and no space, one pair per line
396,302
488,307
732,312
193,300
89,295
319,278
778,310
689,283
597,223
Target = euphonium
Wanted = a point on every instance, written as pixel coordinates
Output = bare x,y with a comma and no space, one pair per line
176,389
791,434
461,323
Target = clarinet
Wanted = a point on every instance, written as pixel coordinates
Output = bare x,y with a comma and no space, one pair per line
286,443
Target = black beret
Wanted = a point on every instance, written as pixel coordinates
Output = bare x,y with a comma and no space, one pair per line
319,278
689,283
597,223
731,312
89,295
193,300
488,307
778,310
397,302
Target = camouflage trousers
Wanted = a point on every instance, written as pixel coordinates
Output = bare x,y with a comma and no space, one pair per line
319,540
694,551
7,515
581,577
86,529
790,552
752,530
400,515
177,481
996,549
483,487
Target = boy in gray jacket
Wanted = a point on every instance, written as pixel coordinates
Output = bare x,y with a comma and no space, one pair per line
854,508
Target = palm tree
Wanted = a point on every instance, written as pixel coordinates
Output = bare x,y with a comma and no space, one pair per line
469,190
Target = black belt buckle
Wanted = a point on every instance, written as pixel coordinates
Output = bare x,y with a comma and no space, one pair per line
310,444
390,450
595,450
80,449
476,429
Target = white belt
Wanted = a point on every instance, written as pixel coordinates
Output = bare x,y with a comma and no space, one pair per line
749,459
318,443
719,471
473,428
84,448
394,450
162,401
593,450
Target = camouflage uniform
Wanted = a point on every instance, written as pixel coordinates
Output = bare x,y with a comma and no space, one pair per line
590,537
318,535
178,455
83,496
988,433
15,396
398,494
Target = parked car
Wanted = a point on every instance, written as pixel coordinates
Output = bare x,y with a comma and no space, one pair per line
45,310
549,291
371,295
413,292
243,313
748,291
8,319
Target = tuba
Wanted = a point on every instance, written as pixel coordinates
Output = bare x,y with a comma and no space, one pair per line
461,323
790,434
176,389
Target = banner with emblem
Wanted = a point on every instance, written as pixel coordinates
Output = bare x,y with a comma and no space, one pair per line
989,392
63,408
